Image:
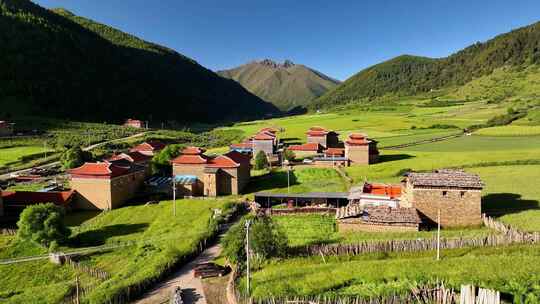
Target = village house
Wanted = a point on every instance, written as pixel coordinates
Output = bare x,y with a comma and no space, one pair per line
6,128
149,148
134,123
457,194
264,141
327,139
105,185
360,150
12,203
306,150
375,194
197,174
134,157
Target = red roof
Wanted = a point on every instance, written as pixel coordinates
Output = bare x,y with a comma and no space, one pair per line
357,139
315,147
242,145
383,189
335,151
29,198
149,146
193,151
134,157
263,136
98,170
222,161
189,159
238,157
269,129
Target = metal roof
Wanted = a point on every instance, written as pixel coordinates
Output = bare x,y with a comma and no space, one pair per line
158,181
185,179
307,195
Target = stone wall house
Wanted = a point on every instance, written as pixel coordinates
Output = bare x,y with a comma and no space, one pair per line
456,193
6,128
306,150
325,138
105,185
12,203
134,157
382,219
226,174
134,123
361,150
263,142
148,148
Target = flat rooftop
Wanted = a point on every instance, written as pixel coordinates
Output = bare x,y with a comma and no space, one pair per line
307,195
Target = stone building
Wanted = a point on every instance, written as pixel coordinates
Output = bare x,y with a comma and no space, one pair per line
148,148
6,128
134,123
360,150
306,150
197,174
12,203
263,141
327,139
456,193
381,219
105,185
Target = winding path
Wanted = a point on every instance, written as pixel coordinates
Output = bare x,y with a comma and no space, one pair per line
191,286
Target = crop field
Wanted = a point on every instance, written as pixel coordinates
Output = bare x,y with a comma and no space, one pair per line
14,155
321,229
510,130
162,239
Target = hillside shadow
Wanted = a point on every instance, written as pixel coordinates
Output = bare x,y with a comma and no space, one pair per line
99,236
291,140
394,157
270,181
507,203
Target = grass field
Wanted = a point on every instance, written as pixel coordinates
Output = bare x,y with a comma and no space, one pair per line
512,270
13,155
510,130
161,241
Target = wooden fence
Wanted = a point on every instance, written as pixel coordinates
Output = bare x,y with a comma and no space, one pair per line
293,211
426,141
507,236
95,272
8,231
422,294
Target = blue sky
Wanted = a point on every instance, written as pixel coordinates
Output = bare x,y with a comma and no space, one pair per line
338,38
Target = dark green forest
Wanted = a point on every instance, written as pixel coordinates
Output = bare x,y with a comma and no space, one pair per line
56,64
411,75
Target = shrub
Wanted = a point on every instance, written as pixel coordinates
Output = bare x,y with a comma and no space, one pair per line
43,224
266,239
74,157
289,155
161,161
261,161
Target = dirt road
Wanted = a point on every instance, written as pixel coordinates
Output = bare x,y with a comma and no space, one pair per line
192,287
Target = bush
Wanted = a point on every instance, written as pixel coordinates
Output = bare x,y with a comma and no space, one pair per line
161,161
289,155
74,157
266,239
43,224
261,161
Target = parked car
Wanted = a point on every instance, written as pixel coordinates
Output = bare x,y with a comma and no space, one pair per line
307,161
209,270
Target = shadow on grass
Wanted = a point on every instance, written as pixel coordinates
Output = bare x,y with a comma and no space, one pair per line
393,157
506,203
291,140
270,181
99,236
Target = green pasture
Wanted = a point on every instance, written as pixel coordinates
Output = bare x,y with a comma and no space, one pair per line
511,269
161,240
510,130
15,155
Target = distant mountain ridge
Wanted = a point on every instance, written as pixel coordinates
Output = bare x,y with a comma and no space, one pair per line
410,75
287,85
56,64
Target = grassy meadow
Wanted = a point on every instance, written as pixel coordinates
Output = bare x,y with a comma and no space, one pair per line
161,240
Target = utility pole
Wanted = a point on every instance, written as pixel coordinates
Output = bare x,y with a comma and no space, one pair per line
174,195
77,289
248,222
439,233
288,179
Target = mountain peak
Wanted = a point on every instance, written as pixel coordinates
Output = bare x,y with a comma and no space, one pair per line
271,63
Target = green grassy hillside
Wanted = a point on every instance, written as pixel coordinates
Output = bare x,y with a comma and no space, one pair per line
286,85
412,75
57,64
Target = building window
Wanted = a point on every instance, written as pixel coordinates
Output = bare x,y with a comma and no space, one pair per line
444,193
462,193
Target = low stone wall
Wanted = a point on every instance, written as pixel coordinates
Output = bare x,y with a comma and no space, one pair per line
359,226
293,211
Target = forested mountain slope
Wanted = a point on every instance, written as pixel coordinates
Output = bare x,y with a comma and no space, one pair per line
56,64
410,75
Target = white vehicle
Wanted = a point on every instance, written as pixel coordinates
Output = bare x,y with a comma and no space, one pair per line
307,161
